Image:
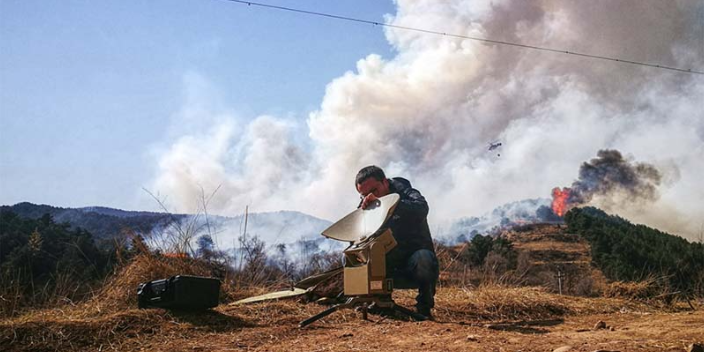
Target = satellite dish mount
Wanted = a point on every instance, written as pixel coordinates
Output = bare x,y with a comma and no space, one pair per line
365,282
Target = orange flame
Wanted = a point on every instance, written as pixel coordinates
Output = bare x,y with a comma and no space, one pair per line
559,200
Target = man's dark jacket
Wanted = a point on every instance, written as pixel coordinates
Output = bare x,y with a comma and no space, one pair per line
409,222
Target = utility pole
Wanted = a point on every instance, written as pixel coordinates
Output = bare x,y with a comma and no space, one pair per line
559,277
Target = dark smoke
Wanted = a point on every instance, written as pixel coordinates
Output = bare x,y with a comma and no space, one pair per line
610,173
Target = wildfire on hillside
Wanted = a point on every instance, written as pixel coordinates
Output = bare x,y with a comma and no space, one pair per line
559,200
607,174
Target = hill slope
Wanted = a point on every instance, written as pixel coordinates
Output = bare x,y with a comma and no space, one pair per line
630,252
101,222
106,223
552,251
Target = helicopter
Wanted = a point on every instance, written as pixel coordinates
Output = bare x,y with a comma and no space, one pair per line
494,146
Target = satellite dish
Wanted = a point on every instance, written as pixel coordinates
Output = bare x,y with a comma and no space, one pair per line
362,223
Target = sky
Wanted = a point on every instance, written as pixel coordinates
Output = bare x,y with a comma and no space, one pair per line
277,111
90,90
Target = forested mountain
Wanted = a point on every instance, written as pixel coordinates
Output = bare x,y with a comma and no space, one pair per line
101,222
629,252
42,260
106,223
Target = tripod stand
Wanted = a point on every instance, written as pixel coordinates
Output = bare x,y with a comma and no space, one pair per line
383,302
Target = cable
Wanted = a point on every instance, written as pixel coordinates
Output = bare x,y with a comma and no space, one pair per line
525,46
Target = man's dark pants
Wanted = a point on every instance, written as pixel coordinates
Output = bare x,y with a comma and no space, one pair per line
420,270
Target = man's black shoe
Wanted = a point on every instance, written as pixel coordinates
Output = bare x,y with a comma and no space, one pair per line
426,313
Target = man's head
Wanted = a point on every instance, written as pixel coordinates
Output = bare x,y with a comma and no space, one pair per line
371,180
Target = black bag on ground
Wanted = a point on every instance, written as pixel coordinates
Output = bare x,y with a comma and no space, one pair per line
180,292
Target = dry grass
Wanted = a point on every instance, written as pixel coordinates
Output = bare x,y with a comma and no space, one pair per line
115,331
496,302
488,303
121,291
654,291
110,316
642,290
52,332
81,328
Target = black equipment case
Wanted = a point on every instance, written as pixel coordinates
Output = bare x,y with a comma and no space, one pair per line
180,292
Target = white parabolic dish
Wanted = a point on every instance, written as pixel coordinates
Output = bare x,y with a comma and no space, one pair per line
362,223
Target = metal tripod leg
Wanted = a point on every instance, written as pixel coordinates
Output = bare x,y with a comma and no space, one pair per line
365,303
349,303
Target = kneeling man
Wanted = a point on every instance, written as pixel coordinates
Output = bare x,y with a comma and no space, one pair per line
413,262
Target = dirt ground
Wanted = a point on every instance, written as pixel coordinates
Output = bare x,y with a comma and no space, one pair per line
274,327
632,332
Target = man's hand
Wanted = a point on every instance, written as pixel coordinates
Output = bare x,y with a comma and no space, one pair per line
369,200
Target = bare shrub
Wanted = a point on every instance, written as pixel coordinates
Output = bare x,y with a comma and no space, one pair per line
547,280
321,262
495,265
523,263
584,286
253,266
460,265
454,270
641,290
180,232
11,293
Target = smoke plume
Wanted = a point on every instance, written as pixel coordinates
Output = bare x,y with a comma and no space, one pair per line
429,112
609,175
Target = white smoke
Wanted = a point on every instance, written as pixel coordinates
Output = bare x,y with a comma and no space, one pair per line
428,114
